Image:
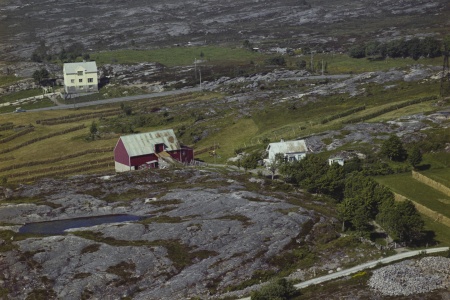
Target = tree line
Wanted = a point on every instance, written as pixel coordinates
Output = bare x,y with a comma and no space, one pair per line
400,48
360,199
71,53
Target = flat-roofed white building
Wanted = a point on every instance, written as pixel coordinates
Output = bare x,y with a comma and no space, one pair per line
80,77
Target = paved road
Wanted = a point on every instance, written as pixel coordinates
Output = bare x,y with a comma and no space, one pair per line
362,267
121,99
168,93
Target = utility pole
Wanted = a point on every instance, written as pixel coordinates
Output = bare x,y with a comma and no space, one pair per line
200,72
445,77
215,154
195,68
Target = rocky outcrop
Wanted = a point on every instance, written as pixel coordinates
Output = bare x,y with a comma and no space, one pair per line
195,240
135,23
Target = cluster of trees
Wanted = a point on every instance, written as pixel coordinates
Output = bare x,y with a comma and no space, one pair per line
276,60
360,199
41,75
67,54
394,150
414,48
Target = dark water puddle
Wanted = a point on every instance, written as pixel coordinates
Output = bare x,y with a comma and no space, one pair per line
58,226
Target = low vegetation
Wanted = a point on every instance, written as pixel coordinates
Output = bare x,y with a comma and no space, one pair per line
219,128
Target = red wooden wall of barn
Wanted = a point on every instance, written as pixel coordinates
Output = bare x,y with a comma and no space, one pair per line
140,160
121,154
185,155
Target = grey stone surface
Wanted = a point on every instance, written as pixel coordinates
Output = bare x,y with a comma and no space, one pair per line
226,231
412,277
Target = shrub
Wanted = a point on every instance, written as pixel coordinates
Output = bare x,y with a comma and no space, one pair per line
280,290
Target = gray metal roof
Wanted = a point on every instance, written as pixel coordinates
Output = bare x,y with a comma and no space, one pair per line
144,143
72,68
289,147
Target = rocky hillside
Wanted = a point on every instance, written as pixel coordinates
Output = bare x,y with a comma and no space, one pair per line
110,24
202,233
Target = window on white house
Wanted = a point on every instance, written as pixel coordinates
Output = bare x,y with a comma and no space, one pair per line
80,73
72,80
90,79
80,80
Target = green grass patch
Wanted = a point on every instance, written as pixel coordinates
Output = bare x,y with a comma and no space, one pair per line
289,261
177,56
329,290
38,104
31,200
4,293
162,219
81,275
246,221
257,277
344,64
126,196
90,249
125,271
20,95
234,136
438,232
41,294
9,237
181,255
8,79
412,189
440,175
437,160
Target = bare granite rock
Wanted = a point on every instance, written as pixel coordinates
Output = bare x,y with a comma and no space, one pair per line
194,241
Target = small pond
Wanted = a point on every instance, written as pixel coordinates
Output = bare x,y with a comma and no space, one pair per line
58,226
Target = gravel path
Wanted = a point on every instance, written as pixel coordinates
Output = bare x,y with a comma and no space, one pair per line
379,283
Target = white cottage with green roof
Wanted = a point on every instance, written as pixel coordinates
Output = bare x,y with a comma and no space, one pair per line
80,77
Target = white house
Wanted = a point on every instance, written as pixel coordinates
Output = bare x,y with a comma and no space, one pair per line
291,150
80,77
345,155
338,160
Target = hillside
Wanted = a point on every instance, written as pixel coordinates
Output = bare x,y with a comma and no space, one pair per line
112,24
229,77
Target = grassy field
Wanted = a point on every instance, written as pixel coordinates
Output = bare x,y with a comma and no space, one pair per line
20,95
227,130
177,56
441,232
206,123
439,175
8,79
38,104
342,63
405,185
437,160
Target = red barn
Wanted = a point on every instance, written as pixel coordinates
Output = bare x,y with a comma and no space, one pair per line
150,150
